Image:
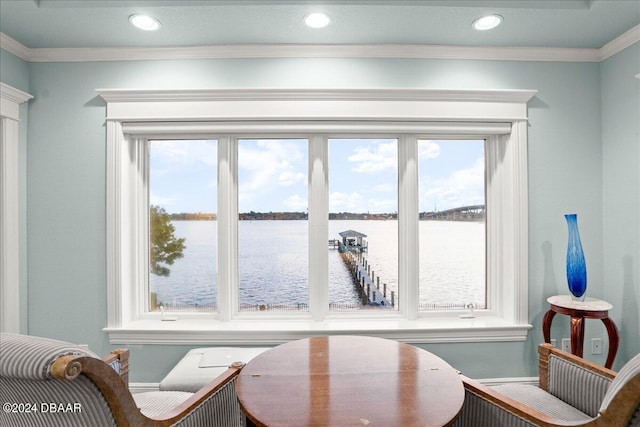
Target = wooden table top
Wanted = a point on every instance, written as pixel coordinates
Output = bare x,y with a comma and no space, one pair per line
349,381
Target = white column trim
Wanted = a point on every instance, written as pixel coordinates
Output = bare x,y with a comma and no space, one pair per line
10,100
227,227
318,213
408,225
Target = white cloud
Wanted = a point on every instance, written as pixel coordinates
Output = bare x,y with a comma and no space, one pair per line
461,188
382,205
295,203
384,188
375,158
357,203
343,202
289,178
181,153
428,149
268,164
157,200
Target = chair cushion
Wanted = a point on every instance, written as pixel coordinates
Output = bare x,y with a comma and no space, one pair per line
154,403
628,371
28,357
542,401
576,385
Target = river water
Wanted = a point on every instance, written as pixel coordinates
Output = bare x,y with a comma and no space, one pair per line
273,264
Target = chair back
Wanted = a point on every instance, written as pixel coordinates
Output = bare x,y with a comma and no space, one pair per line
32,396
625,389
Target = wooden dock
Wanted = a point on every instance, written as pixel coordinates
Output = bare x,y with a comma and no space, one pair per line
367,284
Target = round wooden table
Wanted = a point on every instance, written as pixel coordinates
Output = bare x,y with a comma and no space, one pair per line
590,308
349,381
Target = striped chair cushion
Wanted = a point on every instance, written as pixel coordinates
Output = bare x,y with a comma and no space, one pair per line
115,365
477,412
635,420
30,357
58,403
220,410
577,386
542,401
154,403
628,371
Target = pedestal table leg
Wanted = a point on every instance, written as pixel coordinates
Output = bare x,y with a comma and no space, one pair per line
577,336
546,325
614,340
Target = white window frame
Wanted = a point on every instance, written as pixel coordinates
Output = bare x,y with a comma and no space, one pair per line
10,100
499,116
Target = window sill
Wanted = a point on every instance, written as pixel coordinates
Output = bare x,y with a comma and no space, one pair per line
273,332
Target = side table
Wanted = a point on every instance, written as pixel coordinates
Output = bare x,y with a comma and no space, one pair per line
590,308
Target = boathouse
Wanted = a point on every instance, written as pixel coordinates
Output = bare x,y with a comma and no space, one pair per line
353,241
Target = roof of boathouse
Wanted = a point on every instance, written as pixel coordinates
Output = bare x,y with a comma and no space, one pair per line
351,233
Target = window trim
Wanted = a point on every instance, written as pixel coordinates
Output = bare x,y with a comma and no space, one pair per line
141,114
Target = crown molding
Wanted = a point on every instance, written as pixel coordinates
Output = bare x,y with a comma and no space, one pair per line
389,51
195,95
620,43
14,47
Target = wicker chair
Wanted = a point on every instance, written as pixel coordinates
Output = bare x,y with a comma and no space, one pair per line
572,392
45,382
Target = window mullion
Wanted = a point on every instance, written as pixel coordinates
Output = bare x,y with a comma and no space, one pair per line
227,227
140,204
408,226
318,227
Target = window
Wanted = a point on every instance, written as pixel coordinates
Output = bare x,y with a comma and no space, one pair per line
304,139
452,224
182,225
363,223
273,238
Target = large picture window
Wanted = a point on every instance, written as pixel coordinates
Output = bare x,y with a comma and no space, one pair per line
316,224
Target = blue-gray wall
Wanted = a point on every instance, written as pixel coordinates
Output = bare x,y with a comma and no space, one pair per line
583,124
621,195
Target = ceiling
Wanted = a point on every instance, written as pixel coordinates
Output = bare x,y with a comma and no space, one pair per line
530,23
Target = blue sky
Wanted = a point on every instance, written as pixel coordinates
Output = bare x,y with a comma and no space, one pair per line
272,175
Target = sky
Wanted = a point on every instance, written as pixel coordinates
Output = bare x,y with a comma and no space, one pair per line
272,175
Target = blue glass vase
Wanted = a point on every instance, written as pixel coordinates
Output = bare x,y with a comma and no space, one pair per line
576,267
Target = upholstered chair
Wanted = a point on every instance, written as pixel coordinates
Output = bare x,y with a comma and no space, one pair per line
45,382
571,392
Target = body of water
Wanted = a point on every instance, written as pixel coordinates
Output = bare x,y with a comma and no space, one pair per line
273,264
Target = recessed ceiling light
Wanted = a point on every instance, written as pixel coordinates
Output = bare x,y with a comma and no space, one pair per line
487,22
144,22
317,20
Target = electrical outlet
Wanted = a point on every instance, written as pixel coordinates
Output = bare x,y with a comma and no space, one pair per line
566,345
554,342
596,346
